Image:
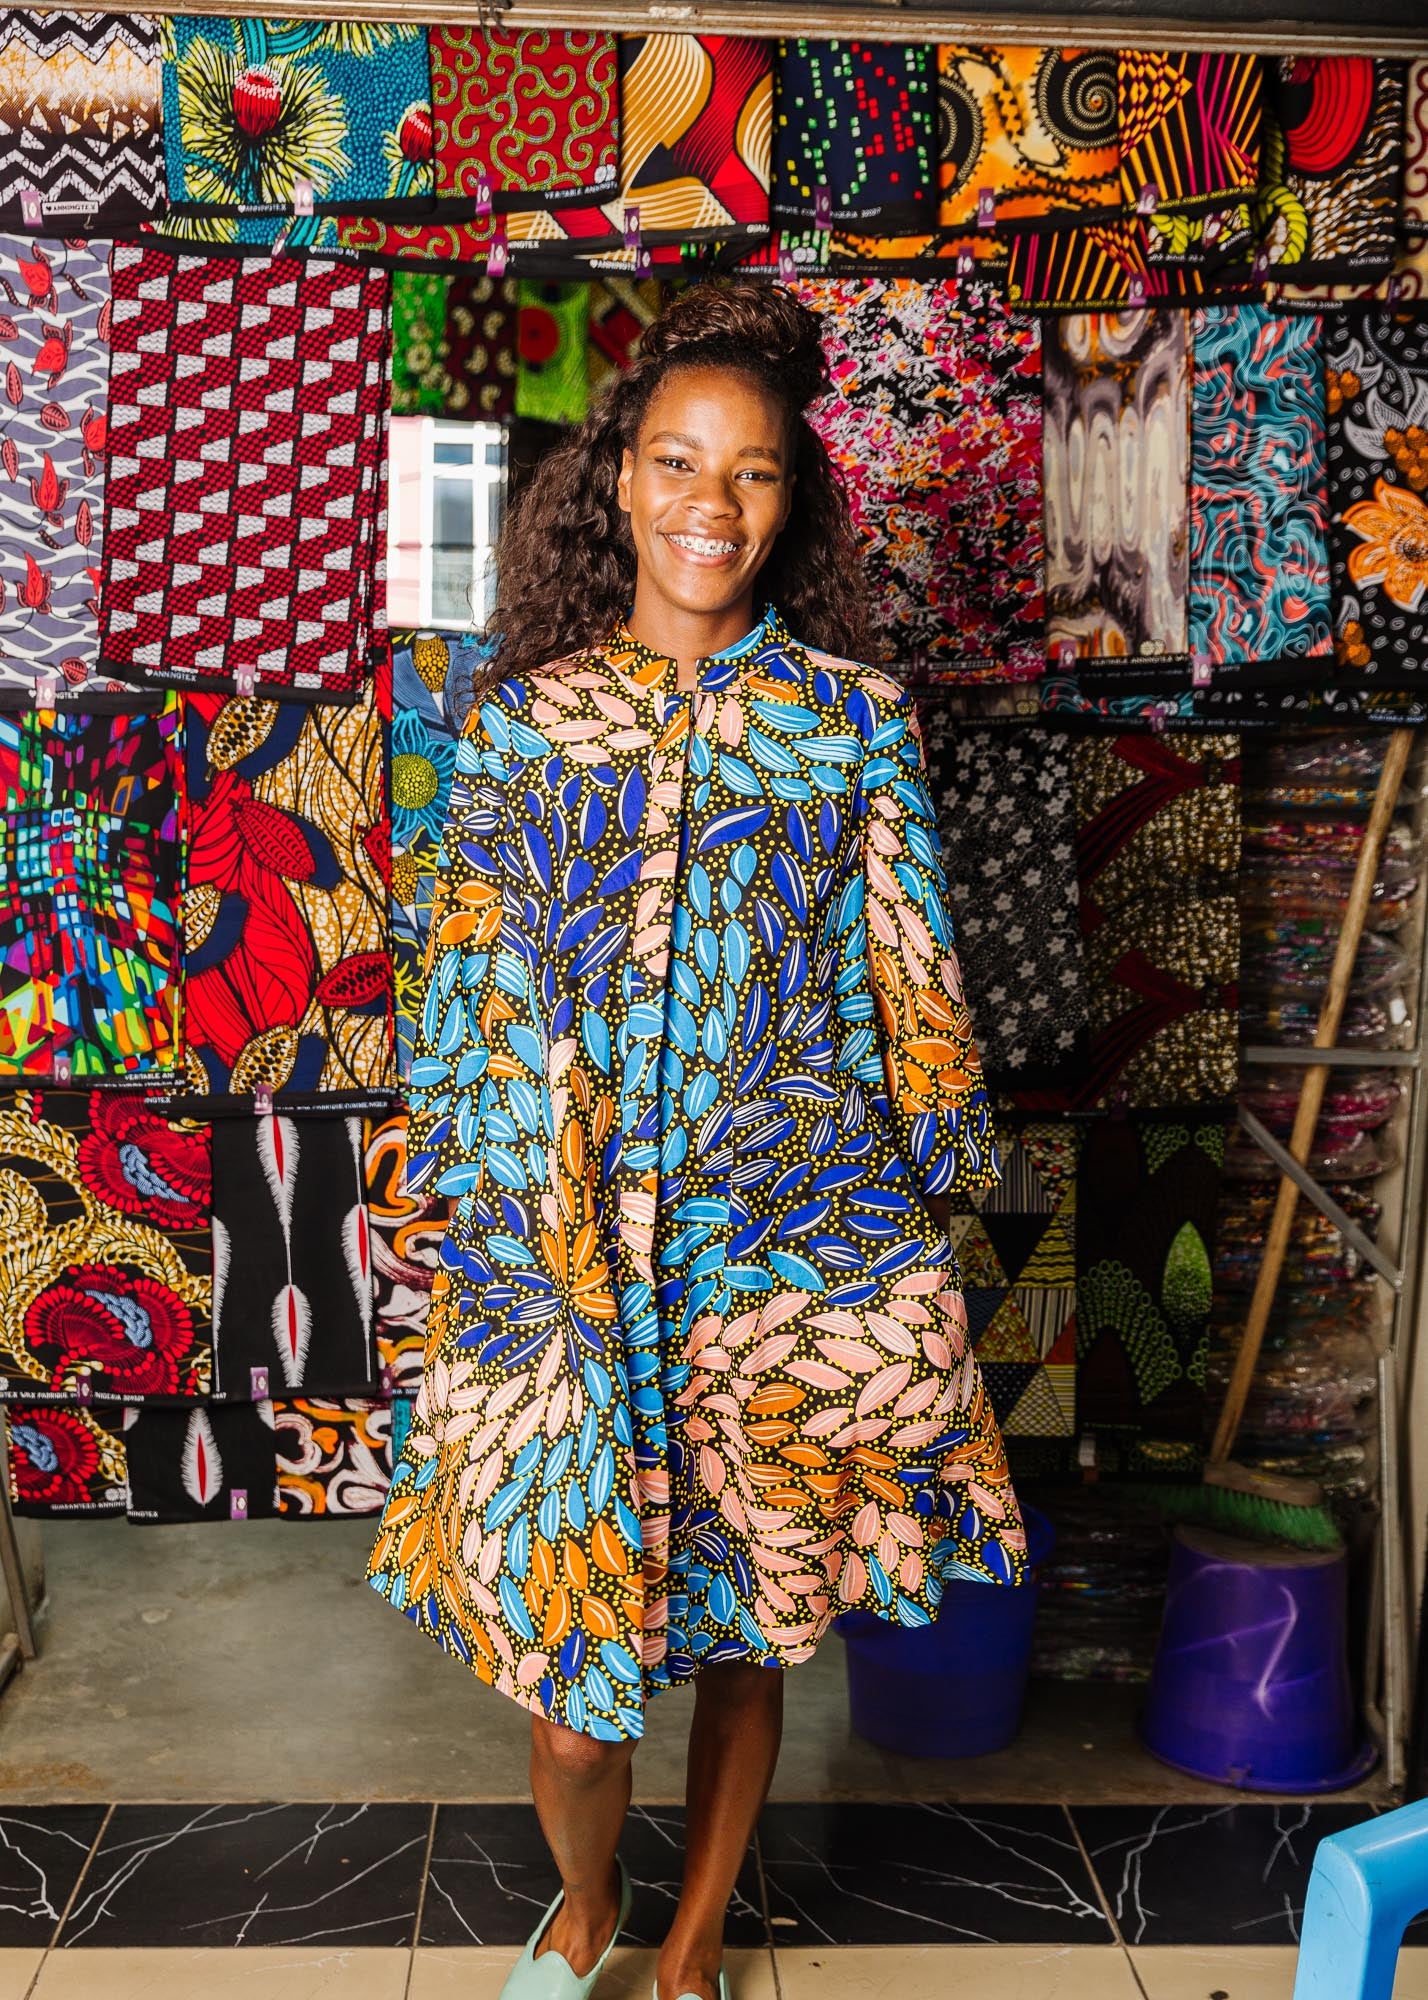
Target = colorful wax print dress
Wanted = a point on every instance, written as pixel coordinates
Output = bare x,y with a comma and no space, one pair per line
697,1374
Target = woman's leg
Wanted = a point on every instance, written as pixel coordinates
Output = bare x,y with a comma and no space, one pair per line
733,1747
581,1789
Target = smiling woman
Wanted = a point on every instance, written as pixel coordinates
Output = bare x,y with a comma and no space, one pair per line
695,1069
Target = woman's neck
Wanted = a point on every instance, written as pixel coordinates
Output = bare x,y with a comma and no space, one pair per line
685,636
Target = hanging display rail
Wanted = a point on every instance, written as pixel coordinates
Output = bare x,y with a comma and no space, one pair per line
1393,28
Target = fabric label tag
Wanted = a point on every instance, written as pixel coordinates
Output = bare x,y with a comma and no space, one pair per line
238,1504
258,1384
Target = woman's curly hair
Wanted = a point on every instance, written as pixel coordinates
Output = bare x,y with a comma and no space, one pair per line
565,565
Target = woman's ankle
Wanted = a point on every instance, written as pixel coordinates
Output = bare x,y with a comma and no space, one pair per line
686,1968
583,1924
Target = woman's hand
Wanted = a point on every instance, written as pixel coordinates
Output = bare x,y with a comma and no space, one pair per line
939,1207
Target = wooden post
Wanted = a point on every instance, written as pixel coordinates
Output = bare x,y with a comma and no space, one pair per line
1311,1094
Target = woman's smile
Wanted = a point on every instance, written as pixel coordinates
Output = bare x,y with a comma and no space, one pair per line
709,551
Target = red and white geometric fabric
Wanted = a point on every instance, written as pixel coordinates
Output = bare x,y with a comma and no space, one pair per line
246,435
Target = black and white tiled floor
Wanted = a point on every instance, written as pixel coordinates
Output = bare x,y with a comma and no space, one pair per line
415,1902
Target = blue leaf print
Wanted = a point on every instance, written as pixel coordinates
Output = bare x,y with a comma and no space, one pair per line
598,1688
602,949
624,874
601,1483
556,1461
737,823
620,1663
788,879
739,777
595,1039
514,1607
632,802
770,924
504,1502
578,926
771,754
538,855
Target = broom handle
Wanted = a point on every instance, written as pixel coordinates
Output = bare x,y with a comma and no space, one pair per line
1311,1093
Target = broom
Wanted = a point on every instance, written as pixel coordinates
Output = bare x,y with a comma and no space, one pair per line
1261,1506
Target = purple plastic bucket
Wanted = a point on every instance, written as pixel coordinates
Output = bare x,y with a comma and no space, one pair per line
955,1688
1251,1679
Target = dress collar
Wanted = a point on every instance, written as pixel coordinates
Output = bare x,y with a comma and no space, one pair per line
714,669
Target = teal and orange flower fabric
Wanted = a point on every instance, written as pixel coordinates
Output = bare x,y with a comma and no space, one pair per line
694,1046
251,108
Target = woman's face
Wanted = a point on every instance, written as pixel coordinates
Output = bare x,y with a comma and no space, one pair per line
707,489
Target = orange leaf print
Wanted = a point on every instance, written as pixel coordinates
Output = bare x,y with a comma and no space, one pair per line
608,1550
559,1616
598,1617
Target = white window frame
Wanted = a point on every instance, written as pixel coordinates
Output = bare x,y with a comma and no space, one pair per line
413,512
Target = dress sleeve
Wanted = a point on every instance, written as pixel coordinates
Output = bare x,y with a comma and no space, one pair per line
448,1085
939,1103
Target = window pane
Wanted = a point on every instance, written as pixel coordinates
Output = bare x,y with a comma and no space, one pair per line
454,601
458,453
453,517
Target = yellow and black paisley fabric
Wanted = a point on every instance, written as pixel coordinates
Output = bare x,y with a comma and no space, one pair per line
694,1045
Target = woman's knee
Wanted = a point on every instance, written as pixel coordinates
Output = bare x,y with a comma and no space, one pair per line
582,1760
741,1684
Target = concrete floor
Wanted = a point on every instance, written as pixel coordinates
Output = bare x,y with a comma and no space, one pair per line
253,1663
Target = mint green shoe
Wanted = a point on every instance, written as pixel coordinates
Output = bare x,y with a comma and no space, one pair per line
723,1989
550,1977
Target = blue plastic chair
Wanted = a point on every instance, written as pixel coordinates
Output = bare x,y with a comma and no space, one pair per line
1366,1888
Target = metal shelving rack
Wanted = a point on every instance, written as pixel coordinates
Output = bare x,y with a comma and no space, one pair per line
1390,1638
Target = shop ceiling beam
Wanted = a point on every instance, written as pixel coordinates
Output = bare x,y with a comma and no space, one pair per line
1320,27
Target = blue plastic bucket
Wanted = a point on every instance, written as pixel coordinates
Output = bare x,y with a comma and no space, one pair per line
1251,1679
955,1688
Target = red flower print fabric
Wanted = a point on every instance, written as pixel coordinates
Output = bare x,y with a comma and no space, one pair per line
105,1265
292,1261
54,371
89,864
244,503
65,1461
287,965
935,425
